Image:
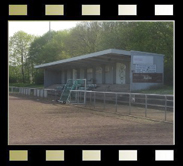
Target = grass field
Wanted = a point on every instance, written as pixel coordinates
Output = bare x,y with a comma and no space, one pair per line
26,85
158,90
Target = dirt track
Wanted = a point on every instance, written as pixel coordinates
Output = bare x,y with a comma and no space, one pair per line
38,122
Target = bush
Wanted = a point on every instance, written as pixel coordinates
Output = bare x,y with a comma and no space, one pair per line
39,77
168,75
12,79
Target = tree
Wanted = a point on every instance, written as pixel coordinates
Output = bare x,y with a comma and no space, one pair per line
154,37
19,45
83,38
47,48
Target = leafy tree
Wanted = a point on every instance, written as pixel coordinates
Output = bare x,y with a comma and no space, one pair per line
47,48
19,45
154,37
14,74
83,38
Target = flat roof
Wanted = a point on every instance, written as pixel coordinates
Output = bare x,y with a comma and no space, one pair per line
86,56
102,56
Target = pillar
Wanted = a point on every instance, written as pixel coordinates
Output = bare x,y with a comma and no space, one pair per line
114,73
103,74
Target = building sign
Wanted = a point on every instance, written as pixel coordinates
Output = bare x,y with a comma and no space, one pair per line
140,68
143,60
147,77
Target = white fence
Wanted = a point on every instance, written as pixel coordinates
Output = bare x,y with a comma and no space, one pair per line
152,106
37,92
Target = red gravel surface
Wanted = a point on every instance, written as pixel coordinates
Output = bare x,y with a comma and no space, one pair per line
35,121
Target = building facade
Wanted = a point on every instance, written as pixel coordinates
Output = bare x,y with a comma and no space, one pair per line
119,69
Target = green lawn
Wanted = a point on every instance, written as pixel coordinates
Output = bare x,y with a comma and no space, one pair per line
158,90
26,85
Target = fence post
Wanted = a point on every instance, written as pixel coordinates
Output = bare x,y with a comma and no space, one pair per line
130,104
165,106
116,102
77,97
94,99
145,105
104,100
70,96
45,93
85,98
41,92
35,91
55,95
90,97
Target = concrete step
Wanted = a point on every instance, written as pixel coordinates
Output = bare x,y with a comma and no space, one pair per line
113,88
54,86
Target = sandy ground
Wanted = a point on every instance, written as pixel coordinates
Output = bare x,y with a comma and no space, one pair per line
35,121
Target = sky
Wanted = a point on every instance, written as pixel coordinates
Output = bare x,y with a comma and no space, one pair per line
39,28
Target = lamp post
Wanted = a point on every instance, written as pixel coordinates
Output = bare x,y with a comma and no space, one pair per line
49,26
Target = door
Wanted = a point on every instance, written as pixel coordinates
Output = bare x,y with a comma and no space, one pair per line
120,73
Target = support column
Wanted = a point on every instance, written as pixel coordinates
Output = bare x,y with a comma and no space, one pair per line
78,73
71,73
103,74
114,73
85,73
61,72
65,76
127,72
44,77
94,75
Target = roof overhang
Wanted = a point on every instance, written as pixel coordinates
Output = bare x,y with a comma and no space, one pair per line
89,60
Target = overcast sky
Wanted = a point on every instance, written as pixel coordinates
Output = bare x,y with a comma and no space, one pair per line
38,28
